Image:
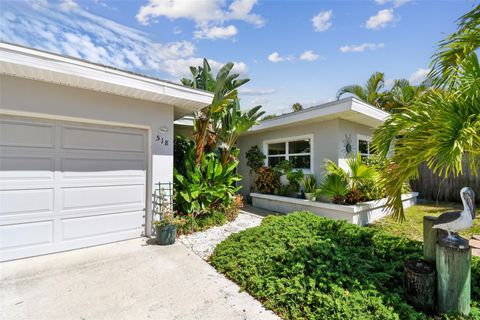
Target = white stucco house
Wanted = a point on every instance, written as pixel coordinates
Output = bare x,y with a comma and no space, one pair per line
81,147
333,130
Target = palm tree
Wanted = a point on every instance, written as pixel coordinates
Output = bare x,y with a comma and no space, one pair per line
441,130
297,107
456,48
402,95
370,93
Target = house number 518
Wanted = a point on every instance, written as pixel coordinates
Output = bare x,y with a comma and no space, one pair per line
162,140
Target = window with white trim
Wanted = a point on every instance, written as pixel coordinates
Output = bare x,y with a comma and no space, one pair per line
297,150
365,147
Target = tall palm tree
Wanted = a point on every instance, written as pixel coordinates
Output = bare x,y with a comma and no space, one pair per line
297,107
402,95
441,130
370,93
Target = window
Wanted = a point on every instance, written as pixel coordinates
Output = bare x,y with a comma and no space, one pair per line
297,150
365,147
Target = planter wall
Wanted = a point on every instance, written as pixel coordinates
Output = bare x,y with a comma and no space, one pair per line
360,214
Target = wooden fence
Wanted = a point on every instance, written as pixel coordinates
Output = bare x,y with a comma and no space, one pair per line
432,187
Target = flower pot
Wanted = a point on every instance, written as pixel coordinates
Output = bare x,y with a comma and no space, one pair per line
166,234
420,282
309,196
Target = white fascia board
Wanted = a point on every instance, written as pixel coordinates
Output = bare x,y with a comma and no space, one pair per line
369,110
304,115
340,107
32,60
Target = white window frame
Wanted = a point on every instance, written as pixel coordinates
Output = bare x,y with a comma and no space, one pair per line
369,141
287,154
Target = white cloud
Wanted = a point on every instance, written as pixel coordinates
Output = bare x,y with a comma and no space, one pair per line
396,3
419,76
382,19
309,55
68,5
255,92
214,33
209,15
82,34
322,21
362,47
177,30
275,57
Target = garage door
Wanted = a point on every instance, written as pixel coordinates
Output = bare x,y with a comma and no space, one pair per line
67,185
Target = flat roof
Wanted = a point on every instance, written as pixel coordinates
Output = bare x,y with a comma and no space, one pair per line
29,63
351,109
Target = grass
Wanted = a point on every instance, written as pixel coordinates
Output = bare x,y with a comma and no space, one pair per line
412,227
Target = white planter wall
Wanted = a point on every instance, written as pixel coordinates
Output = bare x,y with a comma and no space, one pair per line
360,214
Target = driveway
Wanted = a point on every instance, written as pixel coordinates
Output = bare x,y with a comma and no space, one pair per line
123,280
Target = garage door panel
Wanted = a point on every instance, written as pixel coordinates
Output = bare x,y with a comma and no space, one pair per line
23,235
18,202
102,196
27,134
80,138
91,226
21,168
97,168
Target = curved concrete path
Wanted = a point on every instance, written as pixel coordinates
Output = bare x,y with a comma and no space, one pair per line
123,280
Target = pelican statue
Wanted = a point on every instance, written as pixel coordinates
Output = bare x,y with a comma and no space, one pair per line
455,221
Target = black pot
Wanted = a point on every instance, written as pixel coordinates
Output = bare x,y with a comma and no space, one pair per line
420,284
166,234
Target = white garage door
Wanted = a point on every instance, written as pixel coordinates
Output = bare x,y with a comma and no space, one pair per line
66,185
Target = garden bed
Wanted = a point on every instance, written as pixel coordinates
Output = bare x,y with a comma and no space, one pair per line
360,214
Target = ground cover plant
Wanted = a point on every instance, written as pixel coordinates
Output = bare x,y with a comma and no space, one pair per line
307,267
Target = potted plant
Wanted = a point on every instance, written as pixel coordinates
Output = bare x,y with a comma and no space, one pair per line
166,227
309,186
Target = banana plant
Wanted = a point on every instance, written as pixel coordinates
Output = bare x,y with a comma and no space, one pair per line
232,123
224,94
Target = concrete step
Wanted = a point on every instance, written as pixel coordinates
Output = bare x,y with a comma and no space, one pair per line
475,243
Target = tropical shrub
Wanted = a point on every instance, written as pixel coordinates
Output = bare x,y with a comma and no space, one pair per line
303,266
205,187
267,180
309,184
358,183
335,187
255,159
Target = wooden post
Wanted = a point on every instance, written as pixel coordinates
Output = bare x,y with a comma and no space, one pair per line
453,278
429,238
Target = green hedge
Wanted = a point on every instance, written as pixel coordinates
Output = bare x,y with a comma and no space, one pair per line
306,267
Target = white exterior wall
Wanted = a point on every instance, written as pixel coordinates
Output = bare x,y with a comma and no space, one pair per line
354,130
54,101
324,133
328,137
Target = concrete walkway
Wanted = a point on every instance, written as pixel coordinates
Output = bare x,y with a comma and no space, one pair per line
124,280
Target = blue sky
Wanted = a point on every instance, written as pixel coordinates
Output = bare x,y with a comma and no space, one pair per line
293,51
